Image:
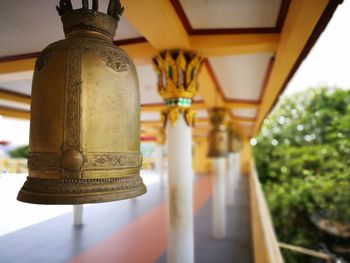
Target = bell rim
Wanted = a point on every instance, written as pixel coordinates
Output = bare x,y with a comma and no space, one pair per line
79,198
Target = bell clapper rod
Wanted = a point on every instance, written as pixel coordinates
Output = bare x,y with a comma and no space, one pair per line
219,208
78,215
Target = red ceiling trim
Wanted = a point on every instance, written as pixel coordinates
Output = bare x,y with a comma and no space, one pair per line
148,138
282,15
211,31
130,41
19,57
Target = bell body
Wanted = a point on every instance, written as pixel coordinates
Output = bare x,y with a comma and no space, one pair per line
234,144
218,143
85,124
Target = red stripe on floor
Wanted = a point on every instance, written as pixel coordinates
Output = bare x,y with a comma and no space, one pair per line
144,239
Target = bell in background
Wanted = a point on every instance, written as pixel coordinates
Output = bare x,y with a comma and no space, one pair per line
85,115
234,142
218,136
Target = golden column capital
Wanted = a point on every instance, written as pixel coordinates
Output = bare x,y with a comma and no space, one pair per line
177,72
218,136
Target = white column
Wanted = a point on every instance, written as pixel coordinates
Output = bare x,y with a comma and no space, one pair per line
180,217
78,214
159,162
219,208
237,166
230,179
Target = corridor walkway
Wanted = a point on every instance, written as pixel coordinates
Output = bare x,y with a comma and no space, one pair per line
132,231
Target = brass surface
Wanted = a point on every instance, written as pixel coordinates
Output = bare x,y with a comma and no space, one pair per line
218,136
85,117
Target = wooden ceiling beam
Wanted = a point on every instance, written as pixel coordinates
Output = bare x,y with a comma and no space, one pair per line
14,113
158,22
239,104
234,44
14,97
142,52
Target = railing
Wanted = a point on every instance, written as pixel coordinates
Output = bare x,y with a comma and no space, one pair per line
265,244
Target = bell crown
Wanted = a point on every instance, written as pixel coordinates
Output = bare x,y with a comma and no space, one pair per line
90,19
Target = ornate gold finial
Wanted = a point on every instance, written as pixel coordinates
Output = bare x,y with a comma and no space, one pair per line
177,83
218,136
114,10
90,19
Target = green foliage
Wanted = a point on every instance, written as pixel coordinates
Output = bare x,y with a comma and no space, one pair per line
302,157
20,152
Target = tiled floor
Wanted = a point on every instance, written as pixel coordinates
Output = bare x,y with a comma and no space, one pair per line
131,231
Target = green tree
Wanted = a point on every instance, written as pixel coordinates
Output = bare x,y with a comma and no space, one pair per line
19,152
302,157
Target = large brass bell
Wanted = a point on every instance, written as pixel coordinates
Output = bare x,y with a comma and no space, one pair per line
218,136
85,115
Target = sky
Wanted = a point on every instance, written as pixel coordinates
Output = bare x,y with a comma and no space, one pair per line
328,63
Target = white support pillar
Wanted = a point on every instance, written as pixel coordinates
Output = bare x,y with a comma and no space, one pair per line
230,179
237,166
180,175
78,214
159,163
219,208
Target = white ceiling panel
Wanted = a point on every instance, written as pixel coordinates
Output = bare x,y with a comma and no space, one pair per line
245,113
150,116
211,14
148,85
241,76
20,82
28,26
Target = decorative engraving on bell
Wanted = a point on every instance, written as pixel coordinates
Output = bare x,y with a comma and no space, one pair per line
85,115
234,142
218,136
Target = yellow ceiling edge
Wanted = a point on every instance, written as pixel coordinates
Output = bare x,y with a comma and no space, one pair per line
233,44
158,22
301,20
12,113
14,97
17,65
